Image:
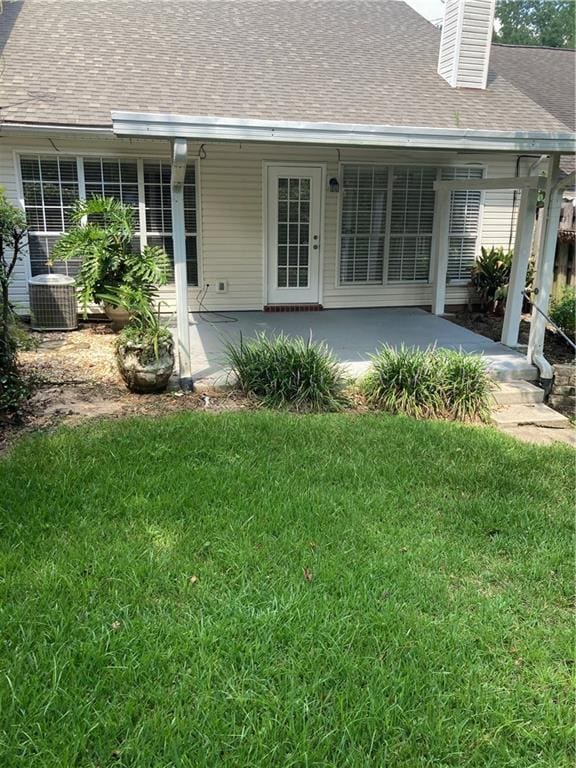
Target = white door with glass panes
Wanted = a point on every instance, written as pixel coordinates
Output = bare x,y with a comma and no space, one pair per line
293,234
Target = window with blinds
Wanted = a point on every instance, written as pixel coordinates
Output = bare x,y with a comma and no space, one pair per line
51,185
387,220
158,207
364,207
464,224
411,224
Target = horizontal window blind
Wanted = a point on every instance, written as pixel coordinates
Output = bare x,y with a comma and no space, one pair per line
464,225
411,224
387,217
364,206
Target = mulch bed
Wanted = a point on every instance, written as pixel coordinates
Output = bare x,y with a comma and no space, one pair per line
555,348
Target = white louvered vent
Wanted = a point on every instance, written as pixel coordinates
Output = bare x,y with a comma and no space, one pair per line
465,43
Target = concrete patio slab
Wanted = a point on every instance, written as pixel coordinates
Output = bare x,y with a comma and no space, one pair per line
352,334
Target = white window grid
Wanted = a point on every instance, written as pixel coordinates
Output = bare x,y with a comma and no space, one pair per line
42,239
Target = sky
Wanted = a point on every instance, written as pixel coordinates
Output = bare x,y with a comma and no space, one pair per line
433,10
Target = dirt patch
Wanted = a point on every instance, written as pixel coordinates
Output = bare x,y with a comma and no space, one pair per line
77,380
556,350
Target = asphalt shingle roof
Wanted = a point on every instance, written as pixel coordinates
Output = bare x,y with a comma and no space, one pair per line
546,75
347,61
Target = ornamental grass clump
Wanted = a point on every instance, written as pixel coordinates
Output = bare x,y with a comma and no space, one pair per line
403,380
465,385
428,383
287,373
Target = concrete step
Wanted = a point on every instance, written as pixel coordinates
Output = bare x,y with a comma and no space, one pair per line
522,372
541,435
517,392
532,413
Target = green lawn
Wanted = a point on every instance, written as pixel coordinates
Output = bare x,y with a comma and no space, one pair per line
155,612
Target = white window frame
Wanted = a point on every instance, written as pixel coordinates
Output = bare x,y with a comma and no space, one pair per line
111,155
433,256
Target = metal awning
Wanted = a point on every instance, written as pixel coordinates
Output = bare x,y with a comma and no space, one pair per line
156,125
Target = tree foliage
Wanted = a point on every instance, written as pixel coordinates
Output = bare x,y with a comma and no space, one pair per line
536,22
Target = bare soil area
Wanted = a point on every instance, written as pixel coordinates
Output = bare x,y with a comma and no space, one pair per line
77,379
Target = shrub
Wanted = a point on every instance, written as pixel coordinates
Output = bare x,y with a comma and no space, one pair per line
428,383
491,274
465,385
563,311
403,381
287,373
14,388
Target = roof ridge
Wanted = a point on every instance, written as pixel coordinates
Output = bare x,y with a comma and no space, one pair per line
535,47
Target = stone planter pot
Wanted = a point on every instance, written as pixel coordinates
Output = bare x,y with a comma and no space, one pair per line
119,317
152,375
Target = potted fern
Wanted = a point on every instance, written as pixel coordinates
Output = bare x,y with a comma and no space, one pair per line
144,348
101,239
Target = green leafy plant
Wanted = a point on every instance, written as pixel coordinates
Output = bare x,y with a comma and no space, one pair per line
403,380
563,311
15,388
491,274
110,269
287,373
428,383
465,386
145,335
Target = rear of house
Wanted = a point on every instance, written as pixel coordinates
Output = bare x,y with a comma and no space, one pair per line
312,138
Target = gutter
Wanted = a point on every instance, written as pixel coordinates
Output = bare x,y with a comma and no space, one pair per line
157,125
48,130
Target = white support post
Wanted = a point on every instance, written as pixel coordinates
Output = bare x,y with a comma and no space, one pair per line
522,247
179,157
545,261
440,250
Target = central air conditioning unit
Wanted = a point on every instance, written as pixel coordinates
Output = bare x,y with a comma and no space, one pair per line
53,303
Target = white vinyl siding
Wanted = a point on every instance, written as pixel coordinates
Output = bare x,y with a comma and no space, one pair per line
387,217
464,228
231,215
465,42
50,186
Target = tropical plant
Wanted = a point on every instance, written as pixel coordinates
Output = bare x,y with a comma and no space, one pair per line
563,311
110,268
491,274
144,348
145,331
14,387
287,373
428,383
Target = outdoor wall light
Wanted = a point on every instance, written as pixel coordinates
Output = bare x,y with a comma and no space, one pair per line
334,184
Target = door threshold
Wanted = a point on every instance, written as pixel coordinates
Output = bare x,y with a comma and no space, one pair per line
293,307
